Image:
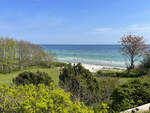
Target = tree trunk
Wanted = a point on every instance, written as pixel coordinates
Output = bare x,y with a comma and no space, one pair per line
132,63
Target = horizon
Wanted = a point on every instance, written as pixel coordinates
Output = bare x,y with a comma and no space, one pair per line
80,44
85,22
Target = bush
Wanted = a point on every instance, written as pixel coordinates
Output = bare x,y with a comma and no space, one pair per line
125,74
107,86
101,108
59,64
81,83
108,73
38,99
144,67
131,94
45,64
32,78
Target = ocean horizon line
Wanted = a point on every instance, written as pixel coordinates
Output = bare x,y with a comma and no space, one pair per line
83,44
79,44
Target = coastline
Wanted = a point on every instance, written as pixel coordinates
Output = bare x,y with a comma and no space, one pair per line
95,68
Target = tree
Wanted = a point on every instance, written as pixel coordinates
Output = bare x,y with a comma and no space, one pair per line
23,54
132,46
19,54
8,54
81,83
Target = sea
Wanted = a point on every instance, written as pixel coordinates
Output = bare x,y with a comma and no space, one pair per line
104,55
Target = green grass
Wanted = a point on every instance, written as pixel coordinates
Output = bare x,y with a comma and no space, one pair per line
54,73
123,80
7,78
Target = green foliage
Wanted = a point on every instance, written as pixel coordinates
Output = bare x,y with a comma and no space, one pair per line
107,85
59,64
132,94
108,73
144,67
38,99
101,108
8,58
52,72
33,78
125,74
81,83
45,64
16,55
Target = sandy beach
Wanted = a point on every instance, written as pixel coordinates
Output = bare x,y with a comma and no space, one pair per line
92,68
95,68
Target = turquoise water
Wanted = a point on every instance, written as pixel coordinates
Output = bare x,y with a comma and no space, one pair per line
105,55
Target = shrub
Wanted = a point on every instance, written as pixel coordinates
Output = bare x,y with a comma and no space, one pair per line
107,86
106,73
131,94
59,64
101,108
81,83
125,74
38,99
32,78
144,67
45,64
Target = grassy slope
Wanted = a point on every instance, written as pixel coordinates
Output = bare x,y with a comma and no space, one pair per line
7,78
123,80
54,73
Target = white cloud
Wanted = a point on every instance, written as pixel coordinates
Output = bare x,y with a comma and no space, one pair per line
115,33
138,28
135,28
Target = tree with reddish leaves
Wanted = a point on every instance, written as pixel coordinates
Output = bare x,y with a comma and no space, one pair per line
132,46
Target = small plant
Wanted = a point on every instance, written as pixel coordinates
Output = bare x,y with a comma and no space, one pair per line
32,78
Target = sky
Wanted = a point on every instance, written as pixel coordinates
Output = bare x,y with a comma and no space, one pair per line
74,21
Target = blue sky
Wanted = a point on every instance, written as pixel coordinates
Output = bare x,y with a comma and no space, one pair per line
74,21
